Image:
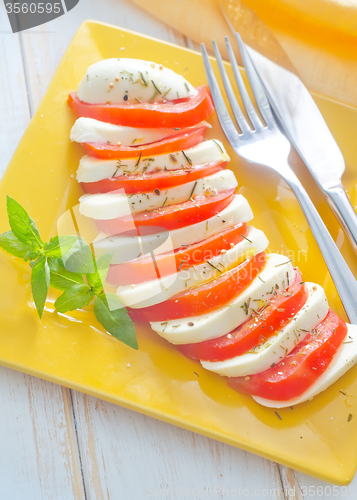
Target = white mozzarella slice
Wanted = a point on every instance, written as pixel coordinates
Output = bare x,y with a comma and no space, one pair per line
278,346
127,80
154,292
91,130
217,323
111,205
343,360
93,169
125,247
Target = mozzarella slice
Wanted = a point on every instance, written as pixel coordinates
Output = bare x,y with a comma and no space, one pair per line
105,206
91,130
93,169
217,323
131,80
278,346
343,360
124,248
156,291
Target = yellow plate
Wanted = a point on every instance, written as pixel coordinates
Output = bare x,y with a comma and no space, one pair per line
314,437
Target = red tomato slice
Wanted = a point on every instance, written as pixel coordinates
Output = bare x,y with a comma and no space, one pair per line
301,368
178,113
206,297
143,269
178,142
268,320
172,217
156,180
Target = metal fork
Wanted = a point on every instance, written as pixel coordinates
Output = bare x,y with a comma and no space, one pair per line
266,145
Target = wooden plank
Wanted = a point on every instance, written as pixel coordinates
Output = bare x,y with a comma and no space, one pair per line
137,456
39,458
38,452
14,109
298,486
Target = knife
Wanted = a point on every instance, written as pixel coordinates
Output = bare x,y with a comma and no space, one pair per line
300,118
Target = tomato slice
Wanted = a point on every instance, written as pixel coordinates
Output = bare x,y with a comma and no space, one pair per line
206,297
184,140
143,269
156,180
301,368
172,217
169,114
270,318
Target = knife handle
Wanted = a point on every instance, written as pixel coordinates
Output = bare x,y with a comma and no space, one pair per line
341,274
341,206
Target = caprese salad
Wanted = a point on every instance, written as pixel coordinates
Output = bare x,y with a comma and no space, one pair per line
184,257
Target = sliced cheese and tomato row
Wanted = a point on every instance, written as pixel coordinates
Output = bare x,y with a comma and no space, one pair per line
184,257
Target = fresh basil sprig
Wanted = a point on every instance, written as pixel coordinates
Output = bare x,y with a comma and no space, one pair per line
66,263
110,313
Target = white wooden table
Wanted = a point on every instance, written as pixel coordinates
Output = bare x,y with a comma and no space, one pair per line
61,444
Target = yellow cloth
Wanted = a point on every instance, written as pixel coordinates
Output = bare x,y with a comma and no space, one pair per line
319,36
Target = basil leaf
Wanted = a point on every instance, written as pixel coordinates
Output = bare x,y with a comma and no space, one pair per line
61,278
74,297
21,223
32,255
110,313
103,263
96,280
79,259
13,245
40,281
59,246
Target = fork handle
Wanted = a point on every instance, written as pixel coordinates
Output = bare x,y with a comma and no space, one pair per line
341,274
341,206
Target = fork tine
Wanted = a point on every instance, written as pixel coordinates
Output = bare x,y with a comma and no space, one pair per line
221,109
237,112
256,86
253,117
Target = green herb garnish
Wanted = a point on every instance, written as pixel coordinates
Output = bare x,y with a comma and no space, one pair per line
115,173
157,90
193,189
153,97
127,72
66,263
218,145
283,263
142,79
110,313
214,267
188,159
138,162
166,93
242,235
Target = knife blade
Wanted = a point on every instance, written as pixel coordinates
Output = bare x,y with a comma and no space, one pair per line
299,117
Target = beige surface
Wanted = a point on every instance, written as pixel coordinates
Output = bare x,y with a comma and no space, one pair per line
327,64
